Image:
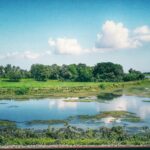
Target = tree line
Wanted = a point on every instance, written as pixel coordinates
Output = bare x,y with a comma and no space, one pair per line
105,71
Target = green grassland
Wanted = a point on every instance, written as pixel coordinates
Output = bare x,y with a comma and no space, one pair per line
29,88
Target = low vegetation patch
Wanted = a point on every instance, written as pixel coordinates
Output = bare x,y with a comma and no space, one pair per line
50,122
22,91
146,100
123,115
7,124
107,96
80,100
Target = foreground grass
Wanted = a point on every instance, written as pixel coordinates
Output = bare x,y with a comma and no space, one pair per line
29,88
74,136
87,141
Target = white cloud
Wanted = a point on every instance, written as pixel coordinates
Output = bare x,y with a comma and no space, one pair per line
24,55
115,36
61,104
142,30
30,55
66,46
142,34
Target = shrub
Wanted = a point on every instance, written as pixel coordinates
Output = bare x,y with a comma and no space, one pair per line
102,86
22,91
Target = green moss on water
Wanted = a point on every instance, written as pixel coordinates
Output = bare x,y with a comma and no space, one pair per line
123,115
132,119
146,100
108,96
46,122
80,100
7,123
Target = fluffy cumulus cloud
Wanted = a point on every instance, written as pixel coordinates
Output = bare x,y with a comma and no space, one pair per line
31,55
66,46
114,35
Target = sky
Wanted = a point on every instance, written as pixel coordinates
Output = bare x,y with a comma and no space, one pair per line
75,31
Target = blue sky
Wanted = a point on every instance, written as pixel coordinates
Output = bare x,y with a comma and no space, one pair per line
73,31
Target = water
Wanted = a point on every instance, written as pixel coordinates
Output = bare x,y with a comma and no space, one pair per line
57,109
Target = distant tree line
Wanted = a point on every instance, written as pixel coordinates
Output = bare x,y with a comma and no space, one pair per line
105,71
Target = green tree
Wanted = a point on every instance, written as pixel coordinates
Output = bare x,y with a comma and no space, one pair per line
2,71
7,69
73,71
84,73
14,76
39,72
54,71
108,71
65,73
133,75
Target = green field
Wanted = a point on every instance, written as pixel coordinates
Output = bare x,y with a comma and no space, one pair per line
4,83
29,88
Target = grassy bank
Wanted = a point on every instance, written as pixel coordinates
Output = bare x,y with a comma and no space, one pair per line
29,88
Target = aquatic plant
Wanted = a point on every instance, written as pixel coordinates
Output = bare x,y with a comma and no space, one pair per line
34,122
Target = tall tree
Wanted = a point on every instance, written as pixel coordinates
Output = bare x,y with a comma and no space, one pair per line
108,71
39,72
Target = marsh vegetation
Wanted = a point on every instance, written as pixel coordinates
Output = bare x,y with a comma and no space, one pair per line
74,104
74,136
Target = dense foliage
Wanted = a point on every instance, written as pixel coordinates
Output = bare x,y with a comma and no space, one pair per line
74,136
39,72
133,75
108,72
105,71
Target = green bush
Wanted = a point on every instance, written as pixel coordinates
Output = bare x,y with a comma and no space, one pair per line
102,86
2,140
22,91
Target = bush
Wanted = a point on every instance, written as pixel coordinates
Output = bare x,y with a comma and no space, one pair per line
22,91
2,140
102,86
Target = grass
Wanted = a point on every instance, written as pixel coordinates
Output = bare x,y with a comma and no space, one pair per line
124,115
141,89
29,88
39,84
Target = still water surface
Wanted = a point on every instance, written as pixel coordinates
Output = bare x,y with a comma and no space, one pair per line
57,109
